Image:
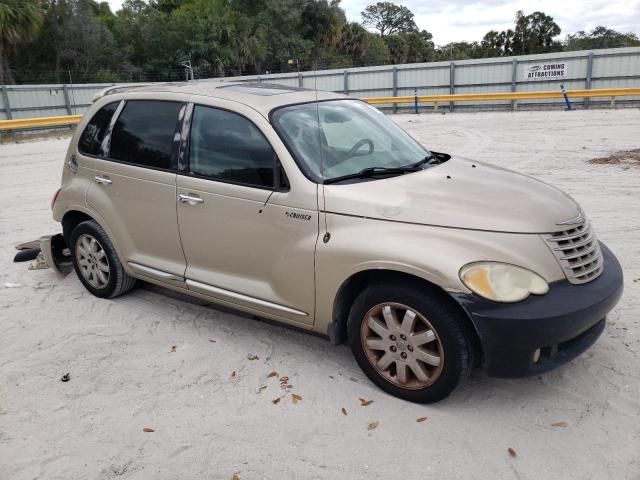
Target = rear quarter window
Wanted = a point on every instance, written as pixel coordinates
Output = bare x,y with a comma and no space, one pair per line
90,142
144,133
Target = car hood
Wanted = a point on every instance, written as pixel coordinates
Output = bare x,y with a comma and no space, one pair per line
459,193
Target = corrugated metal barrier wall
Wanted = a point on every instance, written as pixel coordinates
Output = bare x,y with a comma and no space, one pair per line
610,68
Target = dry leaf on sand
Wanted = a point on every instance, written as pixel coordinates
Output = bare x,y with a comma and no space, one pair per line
253,356
344,411
173,349
148,430
372,425
512,452
560,424
364,402
421,419
272,374
233,374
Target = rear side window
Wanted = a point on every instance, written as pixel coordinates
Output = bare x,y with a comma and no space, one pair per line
91,139
144,133
228,147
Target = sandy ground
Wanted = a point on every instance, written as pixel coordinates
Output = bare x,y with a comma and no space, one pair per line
212,424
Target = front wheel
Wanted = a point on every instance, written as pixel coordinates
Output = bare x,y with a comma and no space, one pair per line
409,342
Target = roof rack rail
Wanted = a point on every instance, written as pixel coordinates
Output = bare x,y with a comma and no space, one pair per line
116,89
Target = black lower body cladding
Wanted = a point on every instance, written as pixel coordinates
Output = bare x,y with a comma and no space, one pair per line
562,324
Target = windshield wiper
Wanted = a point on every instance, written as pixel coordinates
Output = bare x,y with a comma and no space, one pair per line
370,172
426,160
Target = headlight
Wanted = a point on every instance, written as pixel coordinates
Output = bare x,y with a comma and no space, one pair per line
502,282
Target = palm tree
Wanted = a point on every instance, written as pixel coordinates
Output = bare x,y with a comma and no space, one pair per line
352,41
20,20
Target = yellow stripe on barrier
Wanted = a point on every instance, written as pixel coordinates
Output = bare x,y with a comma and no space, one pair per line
475,97
43,122
22,123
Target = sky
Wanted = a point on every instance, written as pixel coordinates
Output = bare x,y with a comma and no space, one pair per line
458,20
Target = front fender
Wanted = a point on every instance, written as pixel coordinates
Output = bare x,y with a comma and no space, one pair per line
434,254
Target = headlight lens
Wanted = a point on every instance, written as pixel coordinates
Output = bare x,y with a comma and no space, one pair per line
502,282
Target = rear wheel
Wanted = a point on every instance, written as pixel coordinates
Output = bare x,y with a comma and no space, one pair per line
96,262
409,342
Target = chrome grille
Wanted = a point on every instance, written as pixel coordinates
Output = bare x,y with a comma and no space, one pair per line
578,252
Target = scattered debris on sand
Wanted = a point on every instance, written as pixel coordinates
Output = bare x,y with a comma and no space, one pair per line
623,157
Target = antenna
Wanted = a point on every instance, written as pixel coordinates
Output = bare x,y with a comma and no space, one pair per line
323,209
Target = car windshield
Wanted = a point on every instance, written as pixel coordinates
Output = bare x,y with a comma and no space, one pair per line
343,137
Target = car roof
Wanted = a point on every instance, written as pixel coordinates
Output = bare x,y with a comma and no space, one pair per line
260,96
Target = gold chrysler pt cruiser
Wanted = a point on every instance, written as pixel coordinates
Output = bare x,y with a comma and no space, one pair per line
316,210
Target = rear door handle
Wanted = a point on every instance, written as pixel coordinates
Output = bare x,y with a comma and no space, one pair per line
103,180
190,199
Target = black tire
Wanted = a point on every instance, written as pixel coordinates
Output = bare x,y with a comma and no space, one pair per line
455,347
26,255
119,282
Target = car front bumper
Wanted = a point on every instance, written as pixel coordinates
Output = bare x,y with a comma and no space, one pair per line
562,324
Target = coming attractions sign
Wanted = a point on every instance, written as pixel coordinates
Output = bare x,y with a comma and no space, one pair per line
545,71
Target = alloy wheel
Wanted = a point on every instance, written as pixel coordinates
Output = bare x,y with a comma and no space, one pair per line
92,260
402,345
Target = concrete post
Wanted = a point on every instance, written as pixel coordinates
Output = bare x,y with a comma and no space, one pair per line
346,82
300,80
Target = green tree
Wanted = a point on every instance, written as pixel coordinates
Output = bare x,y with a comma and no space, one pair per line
375,51
352,41
320,24
600,37
204,34
388,18
420,47
20,21
535,33
495,44
246,47
398,48
362,47
460,51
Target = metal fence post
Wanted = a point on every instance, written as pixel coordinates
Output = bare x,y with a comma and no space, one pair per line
7,105
589,75
394,86
514,82
300,81
566,97
346,82
452,84
67,100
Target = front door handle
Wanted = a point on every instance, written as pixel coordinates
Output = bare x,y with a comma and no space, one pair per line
103,180
190,199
